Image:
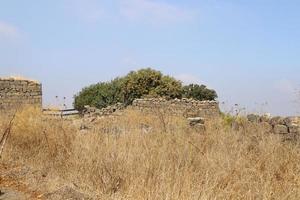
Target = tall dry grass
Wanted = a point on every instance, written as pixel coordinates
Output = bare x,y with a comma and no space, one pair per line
139,156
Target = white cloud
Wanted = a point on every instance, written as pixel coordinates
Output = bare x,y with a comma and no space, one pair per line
8,31
153,11
187,78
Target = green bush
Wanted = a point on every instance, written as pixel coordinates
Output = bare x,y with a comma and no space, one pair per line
99,95
138,84
199,92
149,82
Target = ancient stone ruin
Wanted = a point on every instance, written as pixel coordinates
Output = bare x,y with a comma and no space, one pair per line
188,108
183,107
287,127
109,110
16,92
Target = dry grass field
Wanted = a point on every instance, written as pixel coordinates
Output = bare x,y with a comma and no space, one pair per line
139,156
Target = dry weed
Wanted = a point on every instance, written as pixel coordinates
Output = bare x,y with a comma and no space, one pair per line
139,156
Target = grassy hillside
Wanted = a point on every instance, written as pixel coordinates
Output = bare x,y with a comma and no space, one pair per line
138,156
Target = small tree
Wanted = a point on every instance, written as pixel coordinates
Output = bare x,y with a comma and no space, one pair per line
199,92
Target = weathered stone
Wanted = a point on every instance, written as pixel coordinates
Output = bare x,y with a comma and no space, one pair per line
92,111
181,107
253,118
264,118
277,121
15,93
289,121
196,120
280,129
294,128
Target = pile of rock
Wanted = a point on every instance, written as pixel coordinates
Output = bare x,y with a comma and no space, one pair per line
278,125
95,112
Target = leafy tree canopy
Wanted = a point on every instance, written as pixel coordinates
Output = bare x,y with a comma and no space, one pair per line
137,84
199,92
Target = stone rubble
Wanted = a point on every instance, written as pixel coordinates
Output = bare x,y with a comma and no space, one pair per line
95,112
278,125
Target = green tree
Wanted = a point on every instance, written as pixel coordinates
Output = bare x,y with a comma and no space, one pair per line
138,84
99,95
149,82
199,92
169,88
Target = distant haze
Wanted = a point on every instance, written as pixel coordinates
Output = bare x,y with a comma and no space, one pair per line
248,51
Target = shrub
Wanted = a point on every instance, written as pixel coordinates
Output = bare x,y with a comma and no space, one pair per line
137,84
99,95
199,92
149,82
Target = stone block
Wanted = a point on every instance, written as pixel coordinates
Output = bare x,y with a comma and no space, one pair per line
196,120
16,92
277,121
289,121
294,128
253,118
280,129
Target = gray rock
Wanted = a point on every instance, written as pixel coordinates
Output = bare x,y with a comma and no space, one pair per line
196,120
253,118
277,121
294,128
290,121
264,118
280,129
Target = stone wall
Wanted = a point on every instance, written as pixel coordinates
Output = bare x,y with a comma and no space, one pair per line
287,126
109,110
19,92
183,107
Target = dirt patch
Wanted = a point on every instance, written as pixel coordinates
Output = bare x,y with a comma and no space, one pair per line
12,183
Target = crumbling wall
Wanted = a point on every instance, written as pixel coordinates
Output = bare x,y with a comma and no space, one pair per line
19,92
183,107
109,110
286,126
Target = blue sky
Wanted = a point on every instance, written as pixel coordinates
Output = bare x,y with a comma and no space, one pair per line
248,51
